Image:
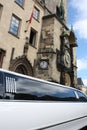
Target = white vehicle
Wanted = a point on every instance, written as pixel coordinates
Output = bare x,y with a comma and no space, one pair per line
28,103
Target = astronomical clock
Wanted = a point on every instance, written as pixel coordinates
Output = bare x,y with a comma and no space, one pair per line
65,61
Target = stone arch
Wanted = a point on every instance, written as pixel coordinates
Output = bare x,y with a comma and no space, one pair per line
21,65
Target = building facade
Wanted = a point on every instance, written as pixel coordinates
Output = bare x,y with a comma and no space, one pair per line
35,40
19,38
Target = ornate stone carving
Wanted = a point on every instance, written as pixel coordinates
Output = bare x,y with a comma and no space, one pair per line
21,65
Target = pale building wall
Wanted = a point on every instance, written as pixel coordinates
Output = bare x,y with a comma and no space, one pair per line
7,40
51,32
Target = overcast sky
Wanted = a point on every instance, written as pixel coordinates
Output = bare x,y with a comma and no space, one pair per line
77,16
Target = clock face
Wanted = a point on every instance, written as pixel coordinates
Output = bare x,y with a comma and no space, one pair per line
43,64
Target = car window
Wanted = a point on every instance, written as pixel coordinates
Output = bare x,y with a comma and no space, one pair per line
82,97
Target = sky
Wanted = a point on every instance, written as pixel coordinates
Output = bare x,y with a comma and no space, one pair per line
77,17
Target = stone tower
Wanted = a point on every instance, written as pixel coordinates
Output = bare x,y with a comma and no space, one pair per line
54,5
56,59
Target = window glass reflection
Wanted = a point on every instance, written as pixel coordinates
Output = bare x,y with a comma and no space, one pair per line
44,91
20,2
28,89
14,27
82,97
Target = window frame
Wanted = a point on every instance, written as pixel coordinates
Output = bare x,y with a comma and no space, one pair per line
29,89
33,38
2,54
81,96
1,8
13,25
36,13
21,5
20,87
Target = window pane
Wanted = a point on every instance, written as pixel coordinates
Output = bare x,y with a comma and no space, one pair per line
32,40
28,89
20,2
82,97
41,91
14,25
36,13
